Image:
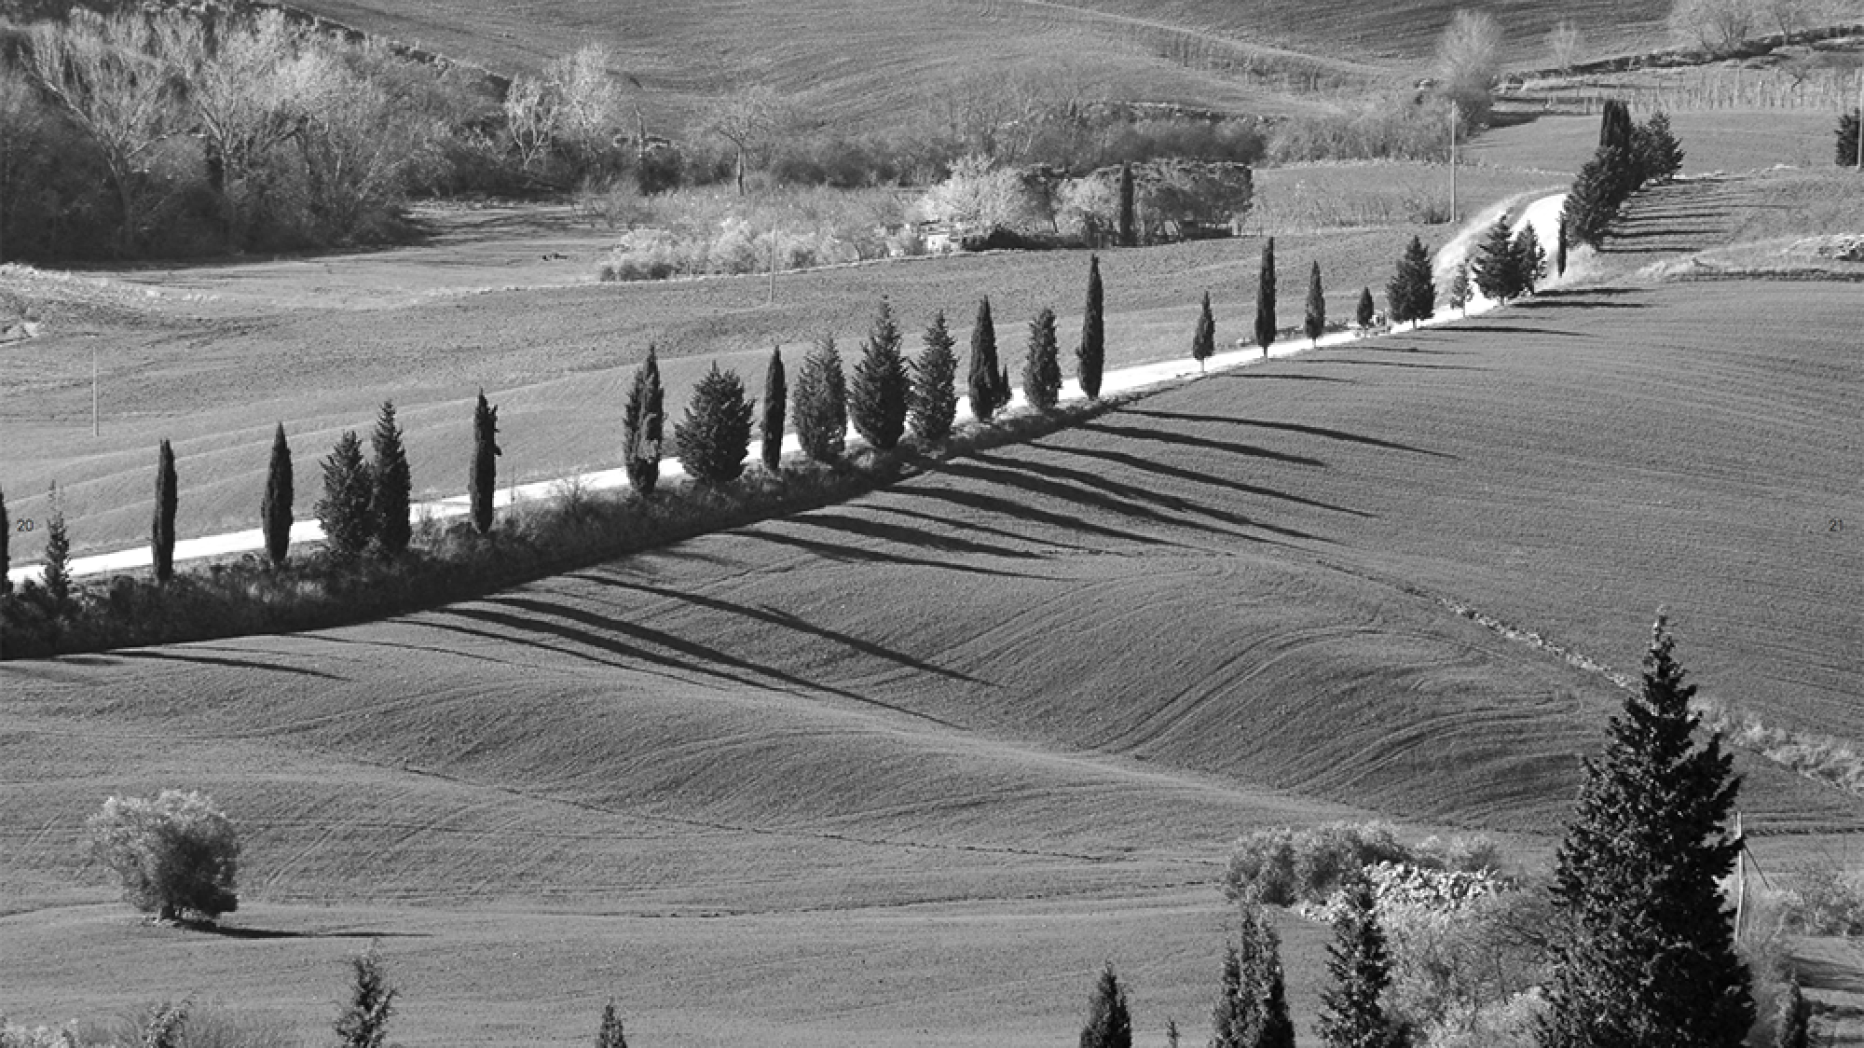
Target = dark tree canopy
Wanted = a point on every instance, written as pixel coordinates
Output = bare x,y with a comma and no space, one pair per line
1109,1020
1315,323
1365,310
610,1034
6,557
1412,293
1265,298
275,505
819,403
485,452
1847,152
1252,1002
715,435
167,500
985,381
394,484
643,426
770,427
1498,275
935,385
1352,1010
1530,260
881,390
1042,365
1091,355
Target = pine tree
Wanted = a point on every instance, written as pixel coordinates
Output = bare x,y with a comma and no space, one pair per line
275,505
1497,274
347,509
6,557
364,1022
1598,192
984,380
1530,261
819,403
1352,1016
57,576
1412,294
1848,139
1042,365
1364,312
1316,321
1562,239
643,426
1109,1020
1265,298
935,385
776,401
394,484
1662,155
1091,356
610,1034
1204,338
483,480
881,391
715,435
1645,951
1459,287
167,500
1252,1003
1129,233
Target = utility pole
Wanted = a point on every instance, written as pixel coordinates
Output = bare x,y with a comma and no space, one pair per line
1453,117
770,295
93,389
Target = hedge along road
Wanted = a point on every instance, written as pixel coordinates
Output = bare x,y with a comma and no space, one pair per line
1544,213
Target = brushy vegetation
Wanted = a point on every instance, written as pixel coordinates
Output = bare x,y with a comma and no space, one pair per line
1284,866
176,853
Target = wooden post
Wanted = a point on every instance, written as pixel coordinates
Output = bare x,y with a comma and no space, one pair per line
93,389
1453,115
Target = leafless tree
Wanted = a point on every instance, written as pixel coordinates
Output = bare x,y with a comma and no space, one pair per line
749,118
1469,61
1714,25
1564,44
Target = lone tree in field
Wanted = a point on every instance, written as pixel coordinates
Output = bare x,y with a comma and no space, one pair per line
275,505
1252,1001
776,401
347,510
1365,310
1091,356
715,435
176,853
167,500
394,484
643,426
610,1034
1530,260
984,381
485,452
1412,294
935,385
881,391
1042,365
820,403
1644,951
1459,288
1109,1020
1352,1015
1498,274
1129,226
1204,337
57,574
1265,298
364,1021
1315,323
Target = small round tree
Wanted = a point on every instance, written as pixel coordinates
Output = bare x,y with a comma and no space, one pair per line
776,401
347,509
275,505
1091,355
1042,367
1204,338
715,435
819,403
935,385
176,853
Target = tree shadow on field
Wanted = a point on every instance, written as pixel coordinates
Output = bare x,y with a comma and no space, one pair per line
998,506
1401,364
1259,375
1548,300
844,553
1121,458
906,535
234,931
193,655
1516,329
1292,427
1207,443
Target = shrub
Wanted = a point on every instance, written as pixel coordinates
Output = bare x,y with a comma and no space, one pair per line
881,391
935,385
1042,366
162,528
176,853
1364,311
1824,900
820,403
347,509
1282,866
643,420
715,435
610,1033
275,505
394,484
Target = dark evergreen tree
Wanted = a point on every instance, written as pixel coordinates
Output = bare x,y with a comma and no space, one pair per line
1848,139
715,435
347,510
610,1034
984,380
1042,364
6,557
1265,298
1597,194
1091,356
394,484
935,385
1204,339
1315,324
1615,126
1644,951
1530,261
643,426
483,480
1109,1020
57,575
275,505
819,403
364,1021
1365,311
1129,231
1498,274
1459,288
1352,1014
1412,293
1561,240
1252,1003
882,388
1660,156
167,500
776,401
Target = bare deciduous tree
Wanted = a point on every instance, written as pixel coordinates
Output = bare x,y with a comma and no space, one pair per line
1714,25
1469,62
750,119
1564,44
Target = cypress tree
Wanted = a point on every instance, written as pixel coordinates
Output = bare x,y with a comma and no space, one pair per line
881,391
1847,153
347,509
1459,287
1109,1020
610,1034
1204,338
1042,365
1091,355
770,432
485,451
57,577
820,403
167,500
394,484
1129,233
643,426
1364,312
1559,249
1497,270
364,1021
1660,155
275,505
715,435
1265,298
1615,127
1315,323
935,385
1644,952
1530,261
1412,294
1252,1002
6,557
984,380
1352,1015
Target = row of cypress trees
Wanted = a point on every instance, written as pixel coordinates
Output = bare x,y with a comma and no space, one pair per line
1630,156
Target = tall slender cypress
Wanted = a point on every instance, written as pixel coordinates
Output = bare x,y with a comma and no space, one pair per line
57,553
1042,368
1091,355
1316,321
167,500
935,385
1204,338
485,451
776,400
1129,232
275,506
881,390
1559,250
984,379
643,422
1265,299
394,484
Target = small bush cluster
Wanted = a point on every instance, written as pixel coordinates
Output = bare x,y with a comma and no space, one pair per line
1283,866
